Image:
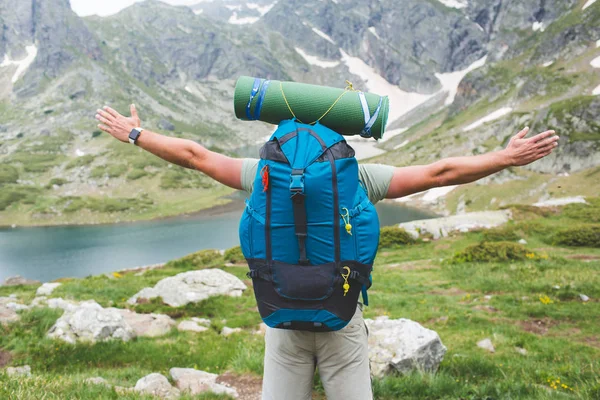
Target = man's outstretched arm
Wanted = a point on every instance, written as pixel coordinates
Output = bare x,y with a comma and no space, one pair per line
459,170
183,152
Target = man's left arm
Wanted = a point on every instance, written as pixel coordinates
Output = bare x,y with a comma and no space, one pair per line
459,170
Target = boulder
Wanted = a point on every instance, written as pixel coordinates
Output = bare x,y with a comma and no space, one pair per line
19,280
402,345
19,371
10,303
148,325
47,288
156,385
90,322
192,287
8,315
441,227
486,344
196,382
58,302
191,326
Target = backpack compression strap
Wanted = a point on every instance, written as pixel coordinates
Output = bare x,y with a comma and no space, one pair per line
298,203
369,120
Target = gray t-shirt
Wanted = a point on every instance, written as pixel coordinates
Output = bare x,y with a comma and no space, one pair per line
376,178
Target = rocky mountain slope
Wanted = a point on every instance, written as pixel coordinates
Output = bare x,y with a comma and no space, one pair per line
446,66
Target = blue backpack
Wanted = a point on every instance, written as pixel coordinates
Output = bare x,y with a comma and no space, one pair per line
309,231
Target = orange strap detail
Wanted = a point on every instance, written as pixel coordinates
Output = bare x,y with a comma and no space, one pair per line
265,177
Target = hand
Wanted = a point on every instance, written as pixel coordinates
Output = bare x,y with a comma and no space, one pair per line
116,124
525,151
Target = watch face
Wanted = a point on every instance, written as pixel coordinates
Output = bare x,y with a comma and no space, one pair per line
134,134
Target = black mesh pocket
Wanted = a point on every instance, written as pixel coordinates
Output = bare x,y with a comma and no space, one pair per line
305,282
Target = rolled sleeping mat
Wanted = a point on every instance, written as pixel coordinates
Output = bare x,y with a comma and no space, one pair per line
348,112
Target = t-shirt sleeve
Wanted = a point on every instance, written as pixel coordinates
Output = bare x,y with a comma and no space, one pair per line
376,179
249,166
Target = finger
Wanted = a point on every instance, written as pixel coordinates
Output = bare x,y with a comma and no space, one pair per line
547,142
105,115
111,111
548,147
133,110
102,119
523,133
104,128
541,136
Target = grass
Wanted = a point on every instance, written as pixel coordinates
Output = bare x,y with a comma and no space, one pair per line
530,303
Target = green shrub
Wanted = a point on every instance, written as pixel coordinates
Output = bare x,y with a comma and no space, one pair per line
500,234
8,174
174,179
17,194
492,252
583,236
235,255
81,161
589,212
391,236
57,182
203,258
95,134
136,174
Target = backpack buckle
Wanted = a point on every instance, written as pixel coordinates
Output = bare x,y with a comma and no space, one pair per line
297,182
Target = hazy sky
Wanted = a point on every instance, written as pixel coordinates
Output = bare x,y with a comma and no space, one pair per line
109,7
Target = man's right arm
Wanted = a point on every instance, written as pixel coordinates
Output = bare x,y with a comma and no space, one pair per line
183,152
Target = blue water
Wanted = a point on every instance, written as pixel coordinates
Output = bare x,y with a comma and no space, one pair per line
49,253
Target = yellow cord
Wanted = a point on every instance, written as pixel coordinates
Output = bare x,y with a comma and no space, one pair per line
346,285
349,88
346,218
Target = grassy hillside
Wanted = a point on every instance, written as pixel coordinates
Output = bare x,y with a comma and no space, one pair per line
521,297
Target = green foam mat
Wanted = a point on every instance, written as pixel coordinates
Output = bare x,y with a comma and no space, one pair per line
308,103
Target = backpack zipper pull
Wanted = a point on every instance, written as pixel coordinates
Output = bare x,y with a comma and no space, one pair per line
346,285
346,218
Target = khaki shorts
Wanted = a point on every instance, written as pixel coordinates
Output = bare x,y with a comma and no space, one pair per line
342,358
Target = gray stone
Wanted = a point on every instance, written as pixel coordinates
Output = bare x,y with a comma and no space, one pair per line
8,316
89,322
166,125
486,344
584,298
192,287
441,227
402,345
19,371
19,280
521,351
47,288
148,325
156,385
522,241
226,331
191,326
97,381
196,382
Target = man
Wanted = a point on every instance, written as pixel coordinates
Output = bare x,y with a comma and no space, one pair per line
342,356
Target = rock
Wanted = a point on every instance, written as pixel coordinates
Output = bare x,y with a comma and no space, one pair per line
12,296
191,326
8,316
166,125
402,345
156,385
486,344
521,351
197,382
19,280
487,297
19,371
47,288
89,322
584,298
148,325
97,381
17,306
192,287
58,302
226,331
202,321
441,227
522,241
561,201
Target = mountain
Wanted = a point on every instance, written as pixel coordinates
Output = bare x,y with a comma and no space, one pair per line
462,77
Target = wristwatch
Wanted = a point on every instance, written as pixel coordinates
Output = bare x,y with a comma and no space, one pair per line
135,134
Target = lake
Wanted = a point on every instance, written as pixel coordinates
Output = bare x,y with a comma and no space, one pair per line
48,253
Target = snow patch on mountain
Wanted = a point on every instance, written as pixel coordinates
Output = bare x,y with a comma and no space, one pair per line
589,3
23,64
488,118
323,35
451,80
455,3
538,26
401,102
596,92
595,62
374,32
312,60
242,21
261,9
